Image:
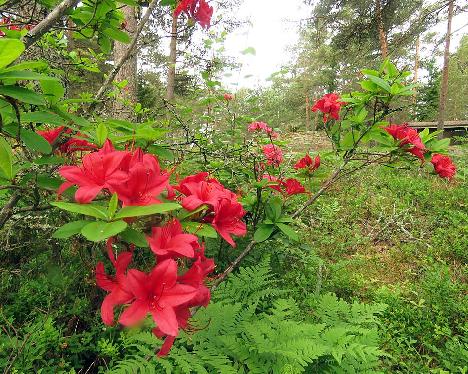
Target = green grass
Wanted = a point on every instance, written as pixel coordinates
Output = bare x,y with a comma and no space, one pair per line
400,238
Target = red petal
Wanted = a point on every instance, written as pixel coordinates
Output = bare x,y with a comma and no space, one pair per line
134,313
166,320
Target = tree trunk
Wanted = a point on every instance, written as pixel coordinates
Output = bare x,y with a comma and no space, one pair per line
416,66
128,70
381,29
171,69
307,113
445,71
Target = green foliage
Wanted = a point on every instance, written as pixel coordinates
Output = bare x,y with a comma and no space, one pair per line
250,328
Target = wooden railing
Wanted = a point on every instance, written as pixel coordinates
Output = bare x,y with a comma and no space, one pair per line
433,125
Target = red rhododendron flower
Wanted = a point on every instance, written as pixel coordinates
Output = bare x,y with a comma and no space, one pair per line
199,10
273,154
262,126
74,144
289,187
52,134
157,293
307,163
145,180
115,286
293,187
409,139
330,106
227,220
443,166
170,240
194,277
99,170
228,97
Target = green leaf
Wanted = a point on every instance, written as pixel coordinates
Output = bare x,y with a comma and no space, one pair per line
288,231
48,183
349,140
368,86
6,159
86,209
136,211
380,82
112,208
24,75
273,208
200,229
42,117
53,90
10,50
69,229
22,94
99,231
28,65
133,236
35,142
162,153
118,35
263,232
101,134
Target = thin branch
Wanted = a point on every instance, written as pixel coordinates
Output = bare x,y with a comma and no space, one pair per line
46,24
110,78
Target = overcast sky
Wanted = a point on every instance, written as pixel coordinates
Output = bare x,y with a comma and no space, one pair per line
272,30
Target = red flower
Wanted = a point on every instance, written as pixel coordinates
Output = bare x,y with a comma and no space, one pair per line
74,144
289,187
443,166
273,154
228,97
330,106
293,187
199,10
194,277
169,240
262,126
99,170
144,182
227,220
114,285
52,134
307,163
409,139
157,293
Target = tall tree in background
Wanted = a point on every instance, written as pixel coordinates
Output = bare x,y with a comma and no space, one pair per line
445,71
129,69
171,69
381,29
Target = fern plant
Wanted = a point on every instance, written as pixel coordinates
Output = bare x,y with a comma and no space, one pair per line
253,327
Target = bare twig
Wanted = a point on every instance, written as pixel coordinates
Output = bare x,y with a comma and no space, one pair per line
110,78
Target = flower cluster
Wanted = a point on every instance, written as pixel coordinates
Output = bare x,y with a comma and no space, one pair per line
162,292
199,10
308,164
408,138
410,141
263,127
443,166
273,154
223,211
228,97
287,187
330,106
177,281
74,144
